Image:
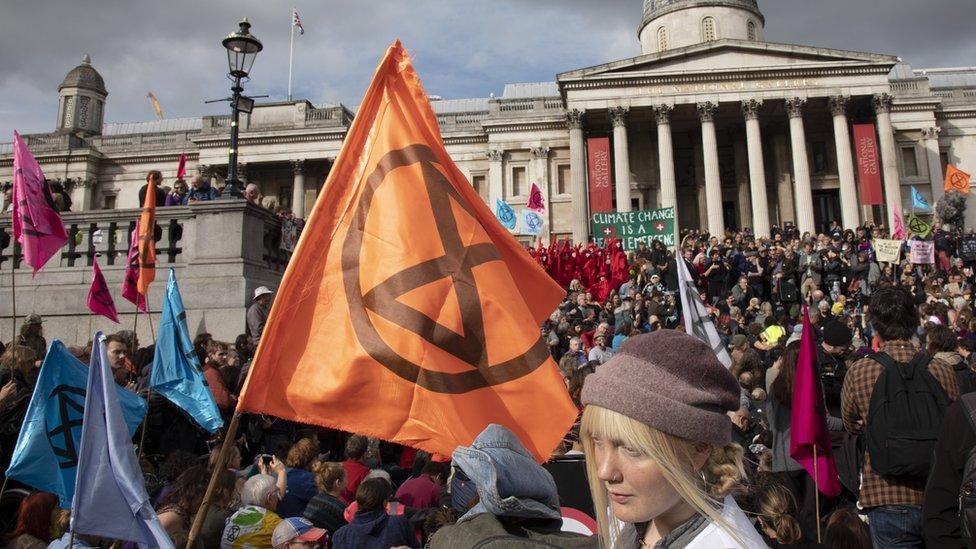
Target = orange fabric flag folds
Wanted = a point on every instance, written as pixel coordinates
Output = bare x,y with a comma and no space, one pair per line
147,242
956,180
407,312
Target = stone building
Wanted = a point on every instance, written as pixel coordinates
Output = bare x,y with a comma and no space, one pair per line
710,118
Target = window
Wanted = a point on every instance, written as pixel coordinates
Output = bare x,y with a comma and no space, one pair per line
110,202
662,39
708,29
751,30
909,163
518,181
480,186
562,179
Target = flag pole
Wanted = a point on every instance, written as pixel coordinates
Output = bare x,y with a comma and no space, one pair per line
13,292
816,490
212,485
145,421
291,50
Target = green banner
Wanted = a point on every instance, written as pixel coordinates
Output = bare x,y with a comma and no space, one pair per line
632,228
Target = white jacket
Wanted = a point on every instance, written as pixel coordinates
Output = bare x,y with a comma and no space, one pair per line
712,536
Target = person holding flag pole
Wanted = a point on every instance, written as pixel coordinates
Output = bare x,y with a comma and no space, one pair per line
296,22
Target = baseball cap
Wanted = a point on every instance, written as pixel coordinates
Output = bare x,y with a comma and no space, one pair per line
295,529
262,290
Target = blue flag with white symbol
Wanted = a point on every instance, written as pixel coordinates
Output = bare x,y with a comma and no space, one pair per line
918,201
176,369
46,454
531,222
505,214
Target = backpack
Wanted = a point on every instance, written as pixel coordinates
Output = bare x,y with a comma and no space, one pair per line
967,490
486,531
788,292
905,415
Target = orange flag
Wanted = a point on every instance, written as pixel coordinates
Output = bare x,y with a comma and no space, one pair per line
407,313
147,241
956,180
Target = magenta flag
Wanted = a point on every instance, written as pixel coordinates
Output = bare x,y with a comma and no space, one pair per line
37,225
536,202
808,418
130,284
899,230
181,168
100,299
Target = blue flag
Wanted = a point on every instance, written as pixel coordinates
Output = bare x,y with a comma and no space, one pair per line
110,497
505,214
46,454
531,222
918,201
176,369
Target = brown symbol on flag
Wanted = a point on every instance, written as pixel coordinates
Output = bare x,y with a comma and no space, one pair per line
457,264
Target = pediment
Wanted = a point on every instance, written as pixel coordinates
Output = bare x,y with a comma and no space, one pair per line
729,56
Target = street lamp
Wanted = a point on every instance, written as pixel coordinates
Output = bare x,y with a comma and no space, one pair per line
242,48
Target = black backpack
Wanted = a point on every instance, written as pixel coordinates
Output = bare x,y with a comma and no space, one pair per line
907,407
967,491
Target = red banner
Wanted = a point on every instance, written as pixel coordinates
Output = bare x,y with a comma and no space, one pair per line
600,174
868,167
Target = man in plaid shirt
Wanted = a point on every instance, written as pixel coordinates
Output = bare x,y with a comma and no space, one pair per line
893,504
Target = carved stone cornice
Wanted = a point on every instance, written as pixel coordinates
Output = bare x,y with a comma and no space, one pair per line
794,107
751,109
574,119
706,111
838,104
298,166
931,133
662,113
618,116
465,139
542,153
882,103
495,155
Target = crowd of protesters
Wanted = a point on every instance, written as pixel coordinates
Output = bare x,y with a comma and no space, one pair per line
680,450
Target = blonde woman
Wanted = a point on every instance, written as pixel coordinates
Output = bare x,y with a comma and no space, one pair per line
658,453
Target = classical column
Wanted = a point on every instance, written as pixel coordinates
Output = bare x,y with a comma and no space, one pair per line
930,138
621,158
713,181
743,199
495,176
757,168
801,167
889,156
541,175
845,163
298,188
577,168
665,153
784,179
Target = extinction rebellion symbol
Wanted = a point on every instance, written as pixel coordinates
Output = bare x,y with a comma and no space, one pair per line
457,264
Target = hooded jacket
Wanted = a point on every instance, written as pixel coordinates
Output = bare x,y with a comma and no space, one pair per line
375,530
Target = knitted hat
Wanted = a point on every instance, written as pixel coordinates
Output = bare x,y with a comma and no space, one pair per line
837,334
671,382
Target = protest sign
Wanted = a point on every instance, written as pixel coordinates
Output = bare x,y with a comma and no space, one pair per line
632,228
888,251
923,251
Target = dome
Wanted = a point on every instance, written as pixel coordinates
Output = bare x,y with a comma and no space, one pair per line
656,8
84,76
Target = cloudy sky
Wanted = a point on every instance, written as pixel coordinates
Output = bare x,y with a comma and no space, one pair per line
462,48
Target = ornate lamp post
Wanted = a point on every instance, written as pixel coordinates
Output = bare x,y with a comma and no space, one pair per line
242,48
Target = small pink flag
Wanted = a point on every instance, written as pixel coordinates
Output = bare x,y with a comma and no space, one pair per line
808,417
899,229
536,202
130,284
37,225
100,299
181,168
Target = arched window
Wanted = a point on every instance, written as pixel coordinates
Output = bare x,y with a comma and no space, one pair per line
662,39
751,30
708,29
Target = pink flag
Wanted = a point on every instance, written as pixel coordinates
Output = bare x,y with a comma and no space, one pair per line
100,299
37,225
130,284
181,168
808,418
899,229
536,202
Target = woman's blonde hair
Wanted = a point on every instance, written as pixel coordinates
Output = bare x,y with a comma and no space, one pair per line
704,490
776,507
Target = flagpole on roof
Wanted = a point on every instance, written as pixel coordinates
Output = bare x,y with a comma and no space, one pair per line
291,49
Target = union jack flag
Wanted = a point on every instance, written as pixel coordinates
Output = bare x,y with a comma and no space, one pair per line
297,21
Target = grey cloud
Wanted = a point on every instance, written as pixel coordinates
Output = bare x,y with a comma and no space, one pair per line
462,48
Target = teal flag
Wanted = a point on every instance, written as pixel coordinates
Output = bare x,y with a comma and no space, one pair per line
176,369
918,201
505,214
46,454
